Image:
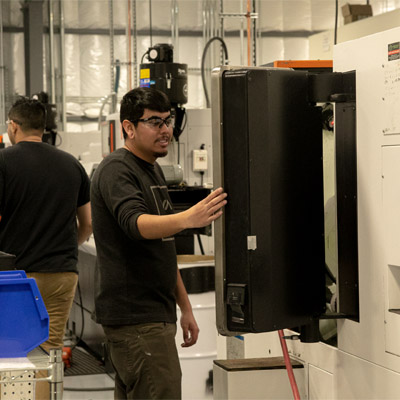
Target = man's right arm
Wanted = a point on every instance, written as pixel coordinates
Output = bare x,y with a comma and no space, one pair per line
201,214
84,216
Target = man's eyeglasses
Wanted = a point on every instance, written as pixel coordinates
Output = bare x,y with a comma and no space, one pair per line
157,122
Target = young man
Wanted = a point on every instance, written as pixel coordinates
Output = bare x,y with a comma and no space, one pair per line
137,281
45,214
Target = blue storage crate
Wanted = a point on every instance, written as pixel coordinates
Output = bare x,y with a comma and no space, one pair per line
24,322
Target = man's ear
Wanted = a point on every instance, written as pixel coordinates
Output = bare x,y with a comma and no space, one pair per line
14,127
129,128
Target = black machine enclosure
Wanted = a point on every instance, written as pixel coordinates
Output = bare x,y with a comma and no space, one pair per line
274,221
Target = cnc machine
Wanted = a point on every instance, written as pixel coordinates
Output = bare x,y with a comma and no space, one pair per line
365,364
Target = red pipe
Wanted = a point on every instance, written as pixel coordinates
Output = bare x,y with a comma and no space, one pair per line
289,368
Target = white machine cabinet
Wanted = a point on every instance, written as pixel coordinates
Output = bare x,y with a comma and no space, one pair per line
366,362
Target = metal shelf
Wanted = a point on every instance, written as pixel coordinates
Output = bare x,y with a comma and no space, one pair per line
17,376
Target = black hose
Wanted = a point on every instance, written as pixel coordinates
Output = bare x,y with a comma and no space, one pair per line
117,75
72,389
78,339
203,78
141,61
336,20
176,136
200,244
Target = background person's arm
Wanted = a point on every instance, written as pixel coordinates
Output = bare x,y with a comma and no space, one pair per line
84,216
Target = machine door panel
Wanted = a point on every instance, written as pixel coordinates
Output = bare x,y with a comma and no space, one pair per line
237,217
274,246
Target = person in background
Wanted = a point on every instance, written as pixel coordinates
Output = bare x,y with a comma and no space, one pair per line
137,280
45,214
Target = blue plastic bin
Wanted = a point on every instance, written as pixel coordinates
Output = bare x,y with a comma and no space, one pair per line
24,322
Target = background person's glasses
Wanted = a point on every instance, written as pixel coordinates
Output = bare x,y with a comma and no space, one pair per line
157,122
13,120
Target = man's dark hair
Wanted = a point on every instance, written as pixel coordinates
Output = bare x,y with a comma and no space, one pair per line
29,114
137,100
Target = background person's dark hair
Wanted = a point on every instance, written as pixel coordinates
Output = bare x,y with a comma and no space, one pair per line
29,114
137,100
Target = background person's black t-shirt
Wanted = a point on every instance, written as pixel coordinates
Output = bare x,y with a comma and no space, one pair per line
40,190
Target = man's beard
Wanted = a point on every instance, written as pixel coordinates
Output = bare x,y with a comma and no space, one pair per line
159,155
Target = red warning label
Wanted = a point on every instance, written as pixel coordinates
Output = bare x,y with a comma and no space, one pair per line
394,51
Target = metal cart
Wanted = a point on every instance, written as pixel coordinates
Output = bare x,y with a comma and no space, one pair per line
18,383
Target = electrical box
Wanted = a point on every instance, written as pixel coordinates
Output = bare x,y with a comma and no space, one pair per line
200,160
